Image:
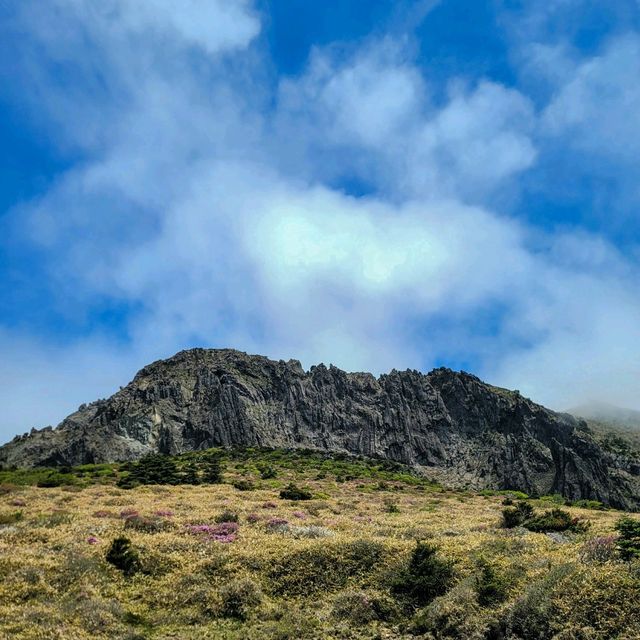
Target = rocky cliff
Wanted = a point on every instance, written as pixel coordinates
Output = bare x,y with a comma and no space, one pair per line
460,430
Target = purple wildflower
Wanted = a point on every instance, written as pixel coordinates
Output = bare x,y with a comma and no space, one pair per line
300,514
128,513
223,532
92,540
277,523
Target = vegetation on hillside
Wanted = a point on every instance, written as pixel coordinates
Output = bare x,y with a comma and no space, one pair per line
291,545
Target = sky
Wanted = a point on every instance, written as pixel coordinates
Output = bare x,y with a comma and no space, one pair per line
377,185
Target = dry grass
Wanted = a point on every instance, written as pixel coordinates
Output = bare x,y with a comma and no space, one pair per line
284,582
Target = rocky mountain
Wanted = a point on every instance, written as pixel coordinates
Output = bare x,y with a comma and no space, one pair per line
453,426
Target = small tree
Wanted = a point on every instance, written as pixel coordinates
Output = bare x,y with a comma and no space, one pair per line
425,577
293,492
213,470
491,587
192,474
516,516
123,556
629,538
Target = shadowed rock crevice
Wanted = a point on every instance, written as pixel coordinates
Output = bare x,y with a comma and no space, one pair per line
459,430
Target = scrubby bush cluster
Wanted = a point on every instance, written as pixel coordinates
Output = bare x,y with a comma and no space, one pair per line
553,520
293,492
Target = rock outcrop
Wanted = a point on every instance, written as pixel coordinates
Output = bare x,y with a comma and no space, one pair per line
456,428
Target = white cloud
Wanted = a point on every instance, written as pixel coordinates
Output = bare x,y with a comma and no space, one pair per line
597,110
375,111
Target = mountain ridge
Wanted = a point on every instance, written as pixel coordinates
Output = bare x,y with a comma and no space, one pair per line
454,427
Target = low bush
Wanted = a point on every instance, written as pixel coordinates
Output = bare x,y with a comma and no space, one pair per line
599,550
311,531
425,577
532,615
555,520
226,516
54,519
243,484
238,598
145,524
56,479
123,556
267,472
324,566
595,505
455,614
11,518
491,587
516,516
523,515
361,607
293,492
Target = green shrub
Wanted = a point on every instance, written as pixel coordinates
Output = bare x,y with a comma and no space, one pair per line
54,519
145,524
596,505
325,566
267,472
425,577
361,607
191,474
239,598
293,492
155,468
56,479
213,471
391,507
226,516
11,518
455,614
123,556
532,615
244,484
555,520
552,520
516,516
628,537
491,588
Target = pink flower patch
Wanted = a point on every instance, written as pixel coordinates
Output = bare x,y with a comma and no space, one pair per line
164,513
224,532
300,514
277,523
269,505
128,513
92,540
252,518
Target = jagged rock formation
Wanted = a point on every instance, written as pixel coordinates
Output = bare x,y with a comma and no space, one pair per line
458,429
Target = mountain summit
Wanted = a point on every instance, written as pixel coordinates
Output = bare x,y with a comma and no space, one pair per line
456,428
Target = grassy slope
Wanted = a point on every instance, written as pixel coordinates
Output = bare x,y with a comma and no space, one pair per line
55,583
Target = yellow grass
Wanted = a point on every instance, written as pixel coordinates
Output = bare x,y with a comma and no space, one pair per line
55,584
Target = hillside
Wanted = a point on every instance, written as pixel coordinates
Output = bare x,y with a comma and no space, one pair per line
360,550
455,428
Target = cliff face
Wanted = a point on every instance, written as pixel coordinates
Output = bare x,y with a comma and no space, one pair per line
460,430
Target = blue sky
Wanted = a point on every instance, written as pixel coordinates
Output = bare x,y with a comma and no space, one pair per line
372,184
